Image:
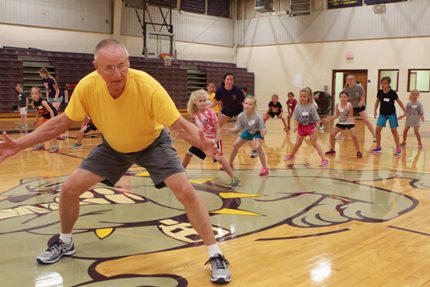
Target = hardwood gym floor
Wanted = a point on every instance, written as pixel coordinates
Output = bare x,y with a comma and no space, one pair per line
359,222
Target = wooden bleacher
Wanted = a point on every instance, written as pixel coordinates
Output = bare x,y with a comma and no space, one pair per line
71,67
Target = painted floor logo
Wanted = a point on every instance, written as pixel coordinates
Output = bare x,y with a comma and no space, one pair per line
120,225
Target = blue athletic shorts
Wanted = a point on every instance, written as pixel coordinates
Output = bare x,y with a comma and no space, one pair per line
51,100
246,135
382,121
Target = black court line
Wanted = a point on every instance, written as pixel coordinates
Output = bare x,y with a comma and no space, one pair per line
70,155
409,230
303,236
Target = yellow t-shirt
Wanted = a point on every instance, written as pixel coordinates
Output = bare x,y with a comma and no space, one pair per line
216,108
131,122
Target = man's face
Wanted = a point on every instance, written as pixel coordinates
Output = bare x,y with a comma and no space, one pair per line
112,64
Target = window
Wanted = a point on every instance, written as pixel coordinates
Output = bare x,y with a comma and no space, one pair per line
139,4
332,4
394,76
220,8
167,3
419,79
196,6
375,2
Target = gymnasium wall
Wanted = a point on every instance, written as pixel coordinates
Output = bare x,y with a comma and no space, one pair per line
25,24
403,19
277,67
85,42
279,48
94,15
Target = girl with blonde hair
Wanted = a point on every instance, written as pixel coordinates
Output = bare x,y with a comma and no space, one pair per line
252,127
206,119
306,120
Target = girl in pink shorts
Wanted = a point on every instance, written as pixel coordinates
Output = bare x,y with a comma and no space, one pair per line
305,121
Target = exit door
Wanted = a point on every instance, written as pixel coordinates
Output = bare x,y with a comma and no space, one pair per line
339,80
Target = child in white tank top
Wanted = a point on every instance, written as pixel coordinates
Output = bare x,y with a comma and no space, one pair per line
345,116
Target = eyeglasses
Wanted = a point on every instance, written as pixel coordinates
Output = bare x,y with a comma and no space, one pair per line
109,69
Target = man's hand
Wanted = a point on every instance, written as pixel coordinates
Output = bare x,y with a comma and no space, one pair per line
8,147
51,129
195,136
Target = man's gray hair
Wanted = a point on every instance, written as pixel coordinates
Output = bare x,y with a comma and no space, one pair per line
109,43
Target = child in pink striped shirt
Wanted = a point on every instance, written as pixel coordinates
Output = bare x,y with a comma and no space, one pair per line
206,119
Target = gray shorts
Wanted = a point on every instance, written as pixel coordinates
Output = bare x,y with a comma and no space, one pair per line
159,159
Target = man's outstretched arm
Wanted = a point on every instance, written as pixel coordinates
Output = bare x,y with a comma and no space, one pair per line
51,129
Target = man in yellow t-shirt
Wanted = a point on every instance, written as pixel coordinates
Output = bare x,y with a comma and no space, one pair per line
130,109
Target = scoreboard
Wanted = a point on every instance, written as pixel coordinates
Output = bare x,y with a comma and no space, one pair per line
332,4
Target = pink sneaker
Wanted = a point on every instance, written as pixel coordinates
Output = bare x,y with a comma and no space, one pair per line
324,163
288,157
264,171
398,151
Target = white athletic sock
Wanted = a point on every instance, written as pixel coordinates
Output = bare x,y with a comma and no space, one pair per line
66,238
214,250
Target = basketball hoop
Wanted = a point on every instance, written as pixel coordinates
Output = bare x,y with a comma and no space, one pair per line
167,58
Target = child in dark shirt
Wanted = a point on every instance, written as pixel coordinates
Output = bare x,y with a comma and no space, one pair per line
46,111
386,98
275,110
22,105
